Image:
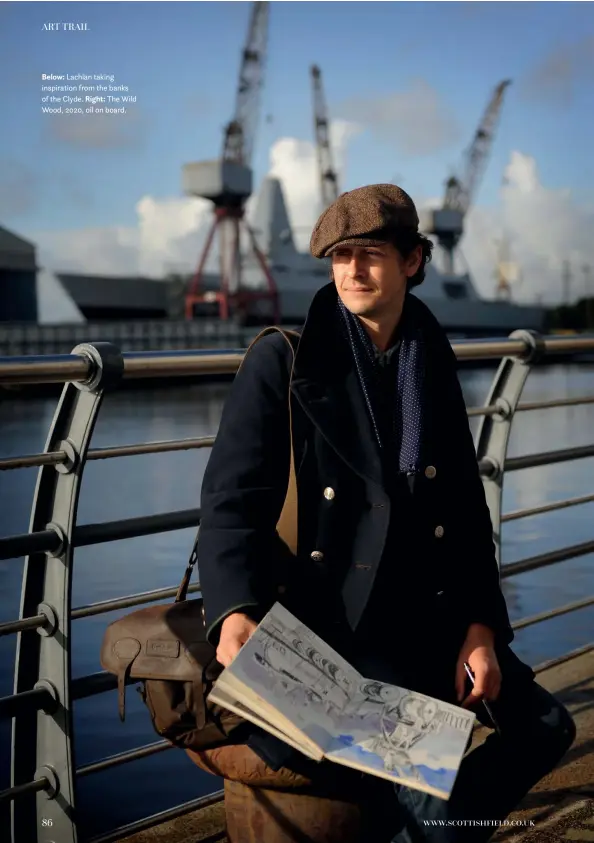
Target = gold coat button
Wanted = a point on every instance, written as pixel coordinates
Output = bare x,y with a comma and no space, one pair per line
329,493
439,531
317,555
430,472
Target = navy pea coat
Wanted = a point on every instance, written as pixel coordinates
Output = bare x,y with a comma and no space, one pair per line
343,505
345,513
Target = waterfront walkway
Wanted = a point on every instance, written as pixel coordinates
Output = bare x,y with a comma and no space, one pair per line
561,806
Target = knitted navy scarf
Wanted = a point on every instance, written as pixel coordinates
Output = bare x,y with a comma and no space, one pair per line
408,390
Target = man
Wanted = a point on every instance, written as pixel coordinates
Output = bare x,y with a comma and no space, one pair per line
396,565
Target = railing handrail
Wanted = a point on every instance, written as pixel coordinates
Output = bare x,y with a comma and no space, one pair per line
79,367
54,533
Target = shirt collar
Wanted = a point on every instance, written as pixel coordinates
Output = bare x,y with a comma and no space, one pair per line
385,357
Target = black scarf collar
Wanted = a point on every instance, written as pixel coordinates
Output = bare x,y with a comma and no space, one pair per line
409,400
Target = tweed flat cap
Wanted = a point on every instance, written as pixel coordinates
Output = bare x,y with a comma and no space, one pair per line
365,216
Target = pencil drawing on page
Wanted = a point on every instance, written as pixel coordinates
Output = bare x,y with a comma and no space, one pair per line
293,679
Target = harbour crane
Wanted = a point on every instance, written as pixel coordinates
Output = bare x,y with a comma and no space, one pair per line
508,272
227,182
328,177
447,222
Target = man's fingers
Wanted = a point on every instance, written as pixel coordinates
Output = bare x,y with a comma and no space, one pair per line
460,681
473,698
486,688
222,657
228,649
489,686
480,687
235,631
496,689
226,652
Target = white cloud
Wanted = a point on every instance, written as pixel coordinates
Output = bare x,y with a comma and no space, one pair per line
544,226
416,120
171,233
554,79
295,163
108,250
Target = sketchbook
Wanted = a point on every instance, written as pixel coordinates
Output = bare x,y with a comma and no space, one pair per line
288,681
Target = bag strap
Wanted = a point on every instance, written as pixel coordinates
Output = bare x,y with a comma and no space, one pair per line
287,522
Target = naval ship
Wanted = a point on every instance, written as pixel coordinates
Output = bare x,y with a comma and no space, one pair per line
452,298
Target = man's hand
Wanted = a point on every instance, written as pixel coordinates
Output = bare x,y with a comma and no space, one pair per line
478,651
235,631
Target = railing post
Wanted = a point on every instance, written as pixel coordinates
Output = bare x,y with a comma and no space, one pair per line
42,744
494,430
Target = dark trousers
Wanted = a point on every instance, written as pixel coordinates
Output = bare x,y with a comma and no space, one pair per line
536,731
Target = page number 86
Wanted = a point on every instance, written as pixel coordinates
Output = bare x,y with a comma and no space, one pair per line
46,822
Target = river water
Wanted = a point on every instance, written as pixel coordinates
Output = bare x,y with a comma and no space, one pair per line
140,485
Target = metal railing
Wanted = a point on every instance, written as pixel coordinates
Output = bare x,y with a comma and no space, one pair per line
42,703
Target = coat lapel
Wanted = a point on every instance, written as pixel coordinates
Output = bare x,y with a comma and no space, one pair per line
339,412
326,385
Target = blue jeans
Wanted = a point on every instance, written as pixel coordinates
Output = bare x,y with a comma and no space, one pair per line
536,732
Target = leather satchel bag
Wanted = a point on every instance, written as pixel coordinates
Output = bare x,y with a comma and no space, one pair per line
165,648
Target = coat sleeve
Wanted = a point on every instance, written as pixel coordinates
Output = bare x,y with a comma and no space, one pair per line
239,552
482,599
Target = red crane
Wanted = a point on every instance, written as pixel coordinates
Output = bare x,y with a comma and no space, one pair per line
227,182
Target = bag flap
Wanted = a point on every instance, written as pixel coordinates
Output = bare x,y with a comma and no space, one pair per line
161,642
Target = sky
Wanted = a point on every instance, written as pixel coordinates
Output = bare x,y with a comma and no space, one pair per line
406,85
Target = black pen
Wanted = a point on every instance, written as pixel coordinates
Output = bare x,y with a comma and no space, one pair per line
488,708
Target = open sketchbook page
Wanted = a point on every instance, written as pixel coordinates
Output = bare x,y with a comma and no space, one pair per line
268,715
228,702
404,736
297,673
